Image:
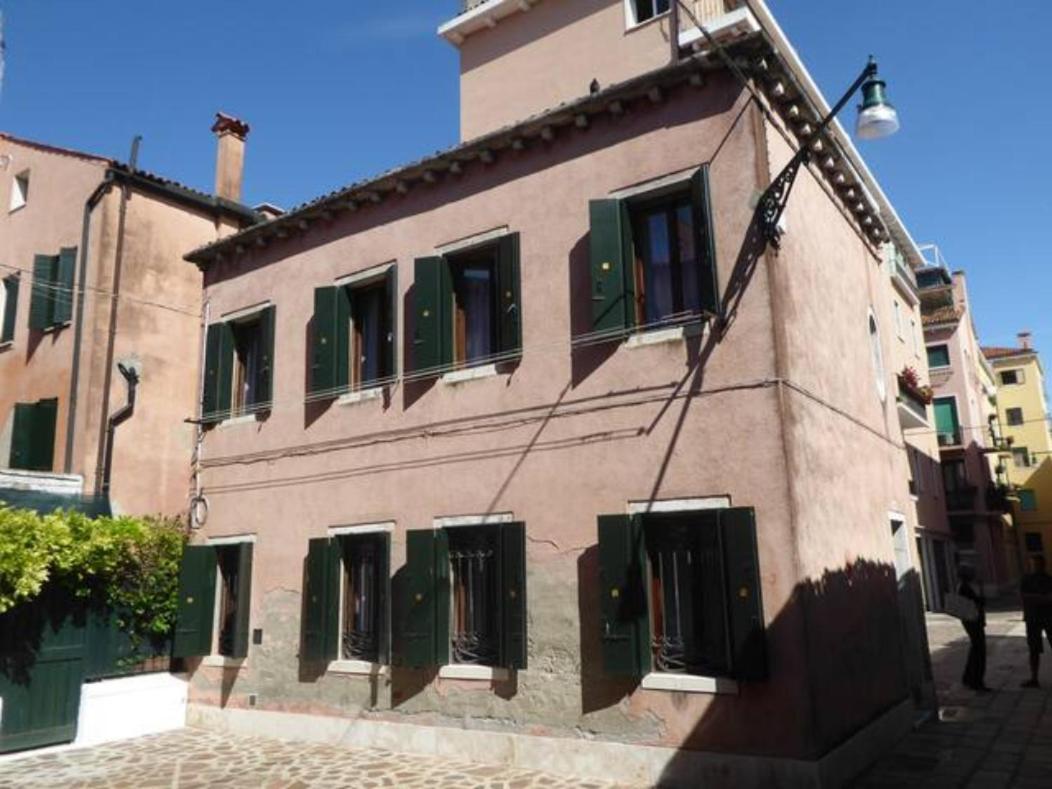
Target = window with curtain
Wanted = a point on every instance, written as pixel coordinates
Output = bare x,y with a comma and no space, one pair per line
666,260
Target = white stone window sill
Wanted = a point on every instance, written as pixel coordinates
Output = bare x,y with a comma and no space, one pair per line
5,345
470,374
468,671
360,667
689,683
632,25
222,661
656,337
361,396
237,420
56,327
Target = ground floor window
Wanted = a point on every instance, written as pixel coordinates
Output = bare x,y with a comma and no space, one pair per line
475,625
364,571
215,584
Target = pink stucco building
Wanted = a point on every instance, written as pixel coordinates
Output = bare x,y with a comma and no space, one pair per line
535,452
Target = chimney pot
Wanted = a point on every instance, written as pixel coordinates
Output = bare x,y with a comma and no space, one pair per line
1024,340
230,155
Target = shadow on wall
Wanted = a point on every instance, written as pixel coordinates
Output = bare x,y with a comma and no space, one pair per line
835,661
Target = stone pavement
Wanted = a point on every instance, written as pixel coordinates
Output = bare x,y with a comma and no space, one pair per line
979,741
191,758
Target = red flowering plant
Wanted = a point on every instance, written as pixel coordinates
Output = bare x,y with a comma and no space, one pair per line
910,381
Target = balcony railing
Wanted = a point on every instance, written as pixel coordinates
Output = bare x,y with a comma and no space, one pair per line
913,404
950,439
962,499
900,271
705,10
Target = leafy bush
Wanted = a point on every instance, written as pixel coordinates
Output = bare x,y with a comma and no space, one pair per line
128,564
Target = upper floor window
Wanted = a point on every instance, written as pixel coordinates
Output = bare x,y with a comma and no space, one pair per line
947,425
1027,501
938,356
33,436
239,366
898,319
1011,377
653,258
51,297
1014,416
1021,457
8,308
353,342
878,357
642,10
19,190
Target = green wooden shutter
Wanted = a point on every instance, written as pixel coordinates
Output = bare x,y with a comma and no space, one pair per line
225,375
22,436
705,242
322,604
624,617
213,347
744,599
63,292
323,381
513,589
239,647
425,629
264,390
509,301
41,303
383,568
390,360
10,308
197,590
42,451
433,331
612,257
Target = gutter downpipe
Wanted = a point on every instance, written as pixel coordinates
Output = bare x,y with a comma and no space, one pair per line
123,414
78,323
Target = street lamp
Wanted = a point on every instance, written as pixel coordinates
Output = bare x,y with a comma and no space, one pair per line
877,118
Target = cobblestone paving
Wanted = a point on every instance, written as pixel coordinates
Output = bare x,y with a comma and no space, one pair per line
999,740
195,758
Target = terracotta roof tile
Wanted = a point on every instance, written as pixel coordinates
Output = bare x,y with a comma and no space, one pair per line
1000,353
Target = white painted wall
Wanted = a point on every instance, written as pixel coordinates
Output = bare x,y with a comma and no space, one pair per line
119,709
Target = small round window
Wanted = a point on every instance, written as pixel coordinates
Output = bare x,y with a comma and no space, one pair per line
878,357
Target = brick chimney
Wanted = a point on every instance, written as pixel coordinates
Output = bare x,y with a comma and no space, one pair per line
230,155
1024,340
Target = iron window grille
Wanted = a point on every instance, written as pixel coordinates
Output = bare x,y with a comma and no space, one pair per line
474,560
360,631
229,569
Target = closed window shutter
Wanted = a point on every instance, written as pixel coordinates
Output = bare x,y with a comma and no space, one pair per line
383,569
513,604
391,323
239,647
22,436
210,399
41,303
321,607
610,251
197,589
63,292
705,242
624,617
10,308
509,300
42,452
432,301
425,628
745,602
265,372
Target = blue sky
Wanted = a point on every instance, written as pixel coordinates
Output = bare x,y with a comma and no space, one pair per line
337,90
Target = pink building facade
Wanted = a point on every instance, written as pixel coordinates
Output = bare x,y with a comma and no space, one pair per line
535,452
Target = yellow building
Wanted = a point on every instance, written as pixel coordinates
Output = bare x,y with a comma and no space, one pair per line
1023,416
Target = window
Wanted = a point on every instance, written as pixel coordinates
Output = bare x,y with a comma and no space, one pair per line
955,478
653,258
239,366
643,10
898,319
1027,501
1015,416
347,613
467,307
51,302
215,584
1021,457
466,596
938,356
1034,542
33,436
916,481
353,341
1011,377
913,337
8,308
19,191
680,594
878,357
947,426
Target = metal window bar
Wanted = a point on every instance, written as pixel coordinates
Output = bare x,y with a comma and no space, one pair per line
360,633
474,622
228,604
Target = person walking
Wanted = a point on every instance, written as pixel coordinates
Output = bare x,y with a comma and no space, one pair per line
975,668
1036,591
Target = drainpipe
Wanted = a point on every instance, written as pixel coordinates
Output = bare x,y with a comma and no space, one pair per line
123,414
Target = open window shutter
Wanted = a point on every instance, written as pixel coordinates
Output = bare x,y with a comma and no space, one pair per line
42,451
239,647
509,296
383,567
744,600
22,436
624,617
225,367
213,348
610,249
432,289
40,303
197,589
10,308
513,588
705,241
420,607
390,360
63,292
265,371
321,606
323,380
